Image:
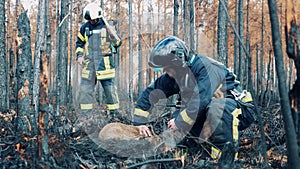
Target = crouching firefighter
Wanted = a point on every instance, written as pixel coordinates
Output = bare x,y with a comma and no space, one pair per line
96,43
196,78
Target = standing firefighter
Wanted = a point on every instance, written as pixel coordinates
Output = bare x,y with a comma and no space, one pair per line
196,78
98,41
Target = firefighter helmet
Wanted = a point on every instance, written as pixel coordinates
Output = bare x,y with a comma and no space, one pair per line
169,51
92,11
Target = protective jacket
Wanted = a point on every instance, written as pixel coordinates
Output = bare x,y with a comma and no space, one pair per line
98,46
196,86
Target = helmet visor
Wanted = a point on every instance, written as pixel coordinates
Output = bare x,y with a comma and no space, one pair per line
160,61
165,60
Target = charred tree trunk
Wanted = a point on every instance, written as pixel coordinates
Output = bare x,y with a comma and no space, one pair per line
13,44
262,55
192,25
140,51
26,120
236,41
3,62
62,61
156,35
40,30
50,39
269,82
41,79
222,34
258,76
175,20
43,118
185,21
241,34
293,51
150,40
249,58
48,46
165,29
69,85
292,147
130,55
24,75
117,55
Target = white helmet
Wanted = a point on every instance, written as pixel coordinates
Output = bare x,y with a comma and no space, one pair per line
92,11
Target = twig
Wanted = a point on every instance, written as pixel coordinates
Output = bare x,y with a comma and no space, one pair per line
273,142
94,157
159,161
201,139
198,140
156,147
84,162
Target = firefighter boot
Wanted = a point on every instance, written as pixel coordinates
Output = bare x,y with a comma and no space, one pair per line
81,124
227,157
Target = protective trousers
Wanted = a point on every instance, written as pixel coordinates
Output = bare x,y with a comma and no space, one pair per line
87,88
221,124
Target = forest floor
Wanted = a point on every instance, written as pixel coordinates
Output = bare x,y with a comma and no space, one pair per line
68,149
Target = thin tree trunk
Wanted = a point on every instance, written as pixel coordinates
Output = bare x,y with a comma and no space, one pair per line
185,21
249,59
262,52
62,61
157,34
175,18
268,87
291,66
165,18
56,60
52,73
69,85
117,55
258,76
140,51
4,102
241,34
150,39
38,54
130,54
222,34
192,25
44,88
11,32
49,47
236,41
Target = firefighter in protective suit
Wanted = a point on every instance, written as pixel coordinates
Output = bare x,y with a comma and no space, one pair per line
96,43
195,78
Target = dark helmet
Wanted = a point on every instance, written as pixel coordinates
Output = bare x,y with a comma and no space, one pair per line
169,51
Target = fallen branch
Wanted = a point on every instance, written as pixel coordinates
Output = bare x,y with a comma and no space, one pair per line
159,161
